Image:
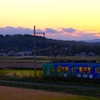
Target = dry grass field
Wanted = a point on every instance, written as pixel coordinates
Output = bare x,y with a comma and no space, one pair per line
10,93
19,65
28,62
21,62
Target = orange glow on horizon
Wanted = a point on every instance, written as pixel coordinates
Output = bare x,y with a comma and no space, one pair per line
78,14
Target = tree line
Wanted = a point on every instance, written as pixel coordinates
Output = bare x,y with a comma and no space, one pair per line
45,46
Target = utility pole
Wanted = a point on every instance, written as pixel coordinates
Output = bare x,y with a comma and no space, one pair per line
34,54
36,34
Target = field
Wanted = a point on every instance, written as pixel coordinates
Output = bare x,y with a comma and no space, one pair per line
21,62
23,66
22,69
9,93
16,67
27,62
14,74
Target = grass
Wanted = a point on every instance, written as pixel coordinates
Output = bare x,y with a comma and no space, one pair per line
46,58
68,98
19,74
28,76
53,88
73,98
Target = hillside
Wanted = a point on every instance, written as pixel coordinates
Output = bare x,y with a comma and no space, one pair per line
26,42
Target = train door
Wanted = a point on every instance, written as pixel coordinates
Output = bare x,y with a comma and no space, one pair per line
45,69
50,70
73,71
90,71
59,71
66,71
85,72
97,72
79,72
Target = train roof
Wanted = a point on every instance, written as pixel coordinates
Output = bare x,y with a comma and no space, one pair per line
75,64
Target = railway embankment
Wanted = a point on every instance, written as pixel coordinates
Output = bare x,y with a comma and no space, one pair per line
73,89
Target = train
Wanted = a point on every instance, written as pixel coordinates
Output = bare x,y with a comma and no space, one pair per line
73,70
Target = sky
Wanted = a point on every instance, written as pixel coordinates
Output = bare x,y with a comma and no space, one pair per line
59,19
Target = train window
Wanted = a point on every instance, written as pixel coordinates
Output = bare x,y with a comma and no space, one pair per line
62,69
89,69
66,69
59,69
98,70
85,69
80,69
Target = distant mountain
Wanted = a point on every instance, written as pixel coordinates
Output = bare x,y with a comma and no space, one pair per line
94,40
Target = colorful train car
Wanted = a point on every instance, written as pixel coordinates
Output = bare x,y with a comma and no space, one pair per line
79,70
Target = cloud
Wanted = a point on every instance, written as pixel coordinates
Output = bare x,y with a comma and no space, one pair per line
59,33
68,30
11,30
97,34
39,30
50,30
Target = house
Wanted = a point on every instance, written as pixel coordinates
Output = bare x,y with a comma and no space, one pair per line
11,53
91,54
3,54
83,54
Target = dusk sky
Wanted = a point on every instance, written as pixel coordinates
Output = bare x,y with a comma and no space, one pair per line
59,19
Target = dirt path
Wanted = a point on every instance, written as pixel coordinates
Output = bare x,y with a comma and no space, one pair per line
10,93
